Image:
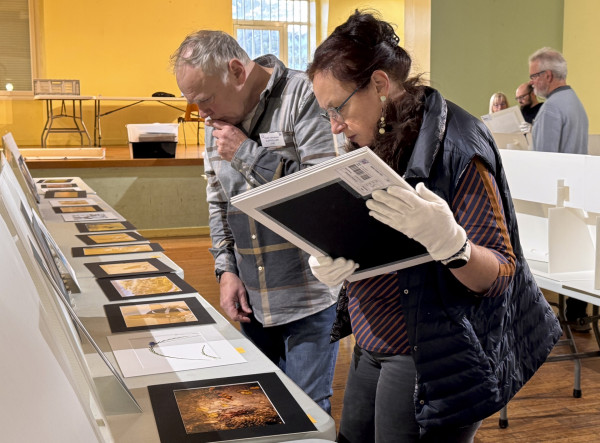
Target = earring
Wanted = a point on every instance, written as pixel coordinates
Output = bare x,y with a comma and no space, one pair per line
381,123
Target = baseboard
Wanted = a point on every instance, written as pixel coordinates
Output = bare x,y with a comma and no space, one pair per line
175,232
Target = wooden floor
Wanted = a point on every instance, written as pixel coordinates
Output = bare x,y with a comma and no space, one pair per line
543,411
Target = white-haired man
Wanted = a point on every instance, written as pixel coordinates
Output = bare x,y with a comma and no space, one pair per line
264,123
561,124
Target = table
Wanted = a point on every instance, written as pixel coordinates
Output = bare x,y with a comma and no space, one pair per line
98,114
76,115
125,422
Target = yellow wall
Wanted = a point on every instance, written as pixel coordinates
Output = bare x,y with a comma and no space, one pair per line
391,11
115,48
581,48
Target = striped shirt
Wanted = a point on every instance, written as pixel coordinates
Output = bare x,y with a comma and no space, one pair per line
376,313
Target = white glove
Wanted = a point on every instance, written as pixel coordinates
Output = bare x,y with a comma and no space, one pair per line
420,215
329,271
525,127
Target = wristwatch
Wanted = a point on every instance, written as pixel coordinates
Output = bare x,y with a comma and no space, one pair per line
218,274
459,259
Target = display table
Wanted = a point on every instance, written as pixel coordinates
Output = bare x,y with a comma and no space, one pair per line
127,425
65,367
76,115
131,101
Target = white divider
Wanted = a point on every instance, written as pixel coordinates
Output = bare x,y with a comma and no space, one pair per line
533,176
43,386
556,198
571,247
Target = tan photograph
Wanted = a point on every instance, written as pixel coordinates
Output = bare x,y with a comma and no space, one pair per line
117,249
128,268
57,180
112,238
70,209
65,194
224,408
145,286
98,227
73,202
153,314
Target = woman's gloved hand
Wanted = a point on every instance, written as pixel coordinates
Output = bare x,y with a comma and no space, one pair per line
421,215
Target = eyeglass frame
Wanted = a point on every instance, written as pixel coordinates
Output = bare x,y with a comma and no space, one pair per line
537,74
340,118
522,97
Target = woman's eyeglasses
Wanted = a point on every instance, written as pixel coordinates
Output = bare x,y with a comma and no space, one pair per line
334,113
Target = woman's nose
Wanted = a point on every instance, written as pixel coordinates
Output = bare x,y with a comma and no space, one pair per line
336,127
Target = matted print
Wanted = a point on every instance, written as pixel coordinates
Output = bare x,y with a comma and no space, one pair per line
119,268
55,180
76,209
65,194
157,314
172,350
103,227
73,202
121,288
231,408
58,185
88,251
89,216
116,237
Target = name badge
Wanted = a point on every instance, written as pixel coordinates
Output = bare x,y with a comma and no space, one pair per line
272,139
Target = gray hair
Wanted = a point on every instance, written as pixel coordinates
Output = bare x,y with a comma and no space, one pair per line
210,51
552,60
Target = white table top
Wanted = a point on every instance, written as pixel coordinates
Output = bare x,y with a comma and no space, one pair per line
63,97
144,99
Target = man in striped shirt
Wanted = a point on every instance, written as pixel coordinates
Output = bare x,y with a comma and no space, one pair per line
262,123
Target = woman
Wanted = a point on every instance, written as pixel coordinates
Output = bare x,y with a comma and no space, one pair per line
442,345
498,102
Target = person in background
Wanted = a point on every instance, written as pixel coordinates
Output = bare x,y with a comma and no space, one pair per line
560,126
498,102
442,345
262,123
528,102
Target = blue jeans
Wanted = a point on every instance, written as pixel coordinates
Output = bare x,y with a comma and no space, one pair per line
302,350
379,403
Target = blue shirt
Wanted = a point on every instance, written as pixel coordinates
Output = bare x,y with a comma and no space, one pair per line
562,124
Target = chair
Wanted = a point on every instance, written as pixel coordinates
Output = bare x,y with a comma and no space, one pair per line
188,117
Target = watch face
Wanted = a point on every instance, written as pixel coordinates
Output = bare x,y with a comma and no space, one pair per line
458,263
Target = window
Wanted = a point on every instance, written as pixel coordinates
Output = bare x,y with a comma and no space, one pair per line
16,64
278,27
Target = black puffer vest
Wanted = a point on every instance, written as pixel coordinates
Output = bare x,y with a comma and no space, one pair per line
472,353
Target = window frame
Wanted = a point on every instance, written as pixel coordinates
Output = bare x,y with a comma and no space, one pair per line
34,11
282,28
266,25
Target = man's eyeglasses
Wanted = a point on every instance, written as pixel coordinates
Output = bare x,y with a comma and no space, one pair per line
334,114
537,74
522,97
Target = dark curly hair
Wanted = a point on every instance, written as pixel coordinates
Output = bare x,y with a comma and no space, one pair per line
357,48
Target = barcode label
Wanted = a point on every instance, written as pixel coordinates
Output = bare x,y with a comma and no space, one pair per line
364,177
